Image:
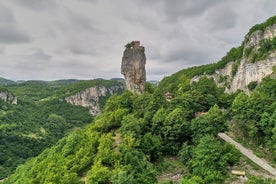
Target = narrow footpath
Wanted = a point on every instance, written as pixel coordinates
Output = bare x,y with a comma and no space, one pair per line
249,154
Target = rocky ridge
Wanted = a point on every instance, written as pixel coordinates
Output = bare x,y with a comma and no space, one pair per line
247,71
92,97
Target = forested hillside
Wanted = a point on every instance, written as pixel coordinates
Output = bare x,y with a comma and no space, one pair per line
131,140
168,134
40,118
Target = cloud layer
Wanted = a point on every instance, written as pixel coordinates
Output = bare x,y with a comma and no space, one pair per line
84,39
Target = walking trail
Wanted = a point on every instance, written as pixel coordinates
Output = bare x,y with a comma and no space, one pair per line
249,154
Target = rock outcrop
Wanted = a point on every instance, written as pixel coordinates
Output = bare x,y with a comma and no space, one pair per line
254,39
8,97
133,67
247,71
93,97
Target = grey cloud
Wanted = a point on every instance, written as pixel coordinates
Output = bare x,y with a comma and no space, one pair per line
222,18
2,50
86,38
82,37
11,35
89,1
189,57
38,54
79,22
6,15
82,50
179,8
9,31
33,63
36,4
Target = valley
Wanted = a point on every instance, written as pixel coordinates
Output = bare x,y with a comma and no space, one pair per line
146,134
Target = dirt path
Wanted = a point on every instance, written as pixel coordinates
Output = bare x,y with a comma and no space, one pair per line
248,153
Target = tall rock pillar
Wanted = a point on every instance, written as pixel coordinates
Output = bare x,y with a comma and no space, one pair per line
133,67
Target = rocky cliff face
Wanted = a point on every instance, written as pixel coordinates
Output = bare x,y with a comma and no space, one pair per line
93,97
133,67
254,39
247,71
8,97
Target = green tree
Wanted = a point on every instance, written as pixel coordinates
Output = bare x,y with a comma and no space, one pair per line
209,162
212,123
151,145
175,130
99,174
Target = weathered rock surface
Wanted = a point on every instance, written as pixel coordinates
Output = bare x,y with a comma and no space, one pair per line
92,97
247,71
255,38
8,97
133,67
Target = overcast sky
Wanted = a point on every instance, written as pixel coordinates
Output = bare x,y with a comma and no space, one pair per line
84,39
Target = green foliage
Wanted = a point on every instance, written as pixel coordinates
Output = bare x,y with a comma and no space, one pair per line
135,131
248,51
174,131
234,68
254,117
128,45
268,86
212,123
3,89
5,82
209,160
40,118
185,152
258,180
152,146
99,174
274,69
170,84
252,85
261,27
192,180
266,46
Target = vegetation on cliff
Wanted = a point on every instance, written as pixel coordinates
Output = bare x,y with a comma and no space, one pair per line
261,27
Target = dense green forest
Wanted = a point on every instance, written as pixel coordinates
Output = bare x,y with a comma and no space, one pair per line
40,118
130,141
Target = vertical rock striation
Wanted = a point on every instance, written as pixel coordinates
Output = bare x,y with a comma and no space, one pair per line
133,67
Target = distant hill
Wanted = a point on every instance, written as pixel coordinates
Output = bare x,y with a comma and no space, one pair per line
5,82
